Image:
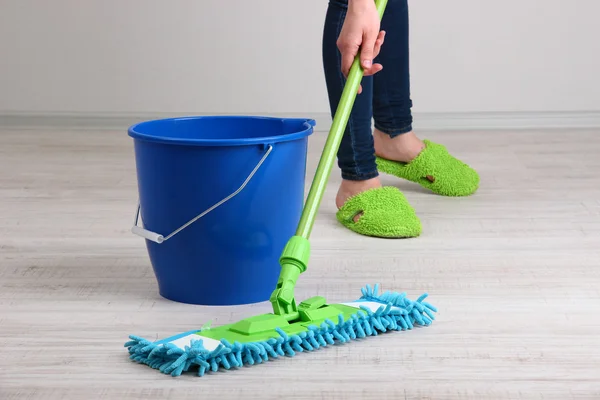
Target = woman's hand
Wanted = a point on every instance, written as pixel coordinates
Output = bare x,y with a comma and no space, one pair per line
361,30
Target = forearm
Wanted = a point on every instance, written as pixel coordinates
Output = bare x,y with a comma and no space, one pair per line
360,3
361,29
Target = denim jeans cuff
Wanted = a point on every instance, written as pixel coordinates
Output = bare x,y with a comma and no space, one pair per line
393,132
350,176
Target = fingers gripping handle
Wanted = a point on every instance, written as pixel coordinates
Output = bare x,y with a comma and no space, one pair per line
158,238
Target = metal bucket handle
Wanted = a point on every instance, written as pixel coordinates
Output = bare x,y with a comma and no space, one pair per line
158,238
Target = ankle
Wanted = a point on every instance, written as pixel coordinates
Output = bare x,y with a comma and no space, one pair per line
403,148
352,188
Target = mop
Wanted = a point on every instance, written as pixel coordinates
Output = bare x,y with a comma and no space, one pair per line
291,328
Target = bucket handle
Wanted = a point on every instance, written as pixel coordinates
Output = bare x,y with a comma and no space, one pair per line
158,238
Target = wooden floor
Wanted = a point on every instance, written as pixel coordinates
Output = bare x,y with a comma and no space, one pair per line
514,270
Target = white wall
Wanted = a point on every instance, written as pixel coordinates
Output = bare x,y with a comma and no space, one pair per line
211,56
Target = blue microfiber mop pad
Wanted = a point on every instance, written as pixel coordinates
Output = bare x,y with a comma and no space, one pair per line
375,314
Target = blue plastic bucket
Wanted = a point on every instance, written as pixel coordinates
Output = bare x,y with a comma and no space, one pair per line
186,166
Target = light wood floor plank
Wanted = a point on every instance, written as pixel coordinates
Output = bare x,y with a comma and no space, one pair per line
514,270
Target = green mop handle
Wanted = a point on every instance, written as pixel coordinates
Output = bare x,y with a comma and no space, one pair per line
340,120
295,256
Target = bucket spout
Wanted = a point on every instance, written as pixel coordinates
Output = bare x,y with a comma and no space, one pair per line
293,125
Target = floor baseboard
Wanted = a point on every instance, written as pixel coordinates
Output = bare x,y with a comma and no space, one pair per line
422,121
508,120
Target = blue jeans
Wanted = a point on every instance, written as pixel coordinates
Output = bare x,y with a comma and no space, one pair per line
385,98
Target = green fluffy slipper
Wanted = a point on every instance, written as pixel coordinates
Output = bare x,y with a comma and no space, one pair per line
383,212
435,169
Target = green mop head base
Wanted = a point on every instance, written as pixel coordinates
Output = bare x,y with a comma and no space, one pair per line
258,339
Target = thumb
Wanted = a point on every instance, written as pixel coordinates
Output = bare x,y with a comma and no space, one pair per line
367,49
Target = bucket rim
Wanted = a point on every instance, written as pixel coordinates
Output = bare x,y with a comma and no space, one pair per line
309,124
